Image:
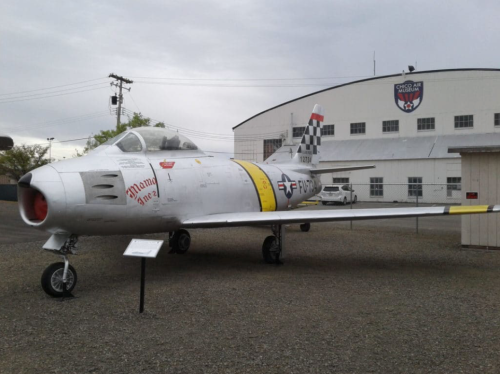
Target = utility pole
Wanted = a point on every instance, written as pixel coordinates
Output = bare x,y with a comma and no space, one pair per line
50,149
120,95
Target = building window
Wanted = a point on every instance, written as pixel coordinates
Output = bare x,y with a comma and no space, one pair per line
390,126
453,184
358,128
298,131
376,187
497,119
415,186
271,146
340,180
328,130
424,124
462,122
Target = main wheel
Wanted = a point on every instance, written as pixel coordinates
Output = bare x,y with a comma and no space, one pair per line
324,202
355,199
52,279
305,227
270,250
345,201
181,241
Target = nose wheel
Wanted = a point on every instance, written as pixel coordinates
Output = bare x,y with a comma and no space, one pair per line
58,280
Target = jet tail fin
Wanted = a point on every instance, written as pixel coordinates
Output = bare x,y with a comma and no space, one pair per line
308,151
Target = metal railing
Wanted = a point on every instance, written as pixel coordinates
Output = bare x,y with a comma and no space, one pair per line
428,193
412,194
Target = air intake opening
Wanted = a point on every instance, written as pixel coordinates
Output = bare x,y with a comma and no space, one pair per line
32,205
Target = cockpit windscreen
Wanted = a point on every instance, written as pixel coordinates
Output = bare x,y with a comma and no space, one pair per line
160,139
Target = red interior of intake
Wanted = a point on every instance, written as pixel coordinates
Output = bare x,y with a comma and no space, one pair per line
40,206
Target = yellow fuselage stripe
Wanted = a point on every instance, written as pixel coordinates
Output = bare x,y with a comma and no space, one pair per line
468,209
262,185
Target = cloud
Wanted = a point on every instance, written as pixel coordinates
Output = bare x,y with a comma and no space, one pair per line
47,44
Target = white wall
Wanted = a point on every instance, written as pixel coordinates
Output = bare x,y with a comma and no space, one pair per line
434,171
481,173
446,94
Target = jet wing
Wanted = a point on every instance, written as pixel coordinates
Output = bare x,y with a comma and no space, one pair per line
303,216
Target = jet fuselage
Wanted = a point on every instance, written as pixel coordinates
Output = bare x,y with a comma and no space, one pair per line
111,192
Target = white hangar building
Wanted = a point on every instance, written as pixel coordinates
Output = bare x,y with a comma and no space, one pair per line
402,123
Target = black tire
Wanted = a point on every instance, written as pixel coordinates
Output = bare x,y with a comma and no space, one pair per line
345,201
270,250
324,202
305,227
52,279
355,199
181,242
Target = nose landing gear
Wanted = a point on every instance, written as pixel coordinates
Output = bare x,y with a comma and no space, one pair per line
59,279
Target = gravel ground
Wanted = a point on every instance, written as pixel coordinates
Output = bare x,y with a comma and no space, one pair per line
373,300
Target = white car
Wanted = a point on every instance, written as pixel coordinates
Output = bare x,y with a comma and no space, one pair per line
337,193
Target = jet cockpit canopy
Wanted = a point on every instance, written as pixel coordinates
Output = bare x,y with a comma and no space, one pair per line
155,139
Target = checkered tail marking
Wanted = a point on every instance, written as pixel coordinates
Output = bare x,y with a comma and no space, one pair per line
312,136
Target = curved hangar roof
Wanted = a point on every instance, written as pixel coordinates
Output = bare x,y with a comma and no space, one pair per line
374,95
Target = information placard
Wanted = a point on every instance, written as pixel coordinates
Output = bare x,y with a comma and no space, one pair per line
143,248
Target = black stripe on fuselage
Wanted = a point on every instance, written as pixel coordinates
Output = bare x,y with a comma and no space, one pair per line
157,187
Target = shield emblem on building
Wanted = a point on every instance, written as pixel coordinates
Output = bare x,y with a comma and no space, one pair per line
409,95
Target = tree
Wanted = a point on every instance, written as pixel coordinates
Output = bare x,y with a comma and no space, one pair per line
137,120
21,159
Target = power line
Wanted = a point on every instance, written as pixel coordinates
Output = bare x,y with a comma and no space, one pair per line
252,79
296,85
212,136
234,153
49,88
65,141
48,96
137,106
53,92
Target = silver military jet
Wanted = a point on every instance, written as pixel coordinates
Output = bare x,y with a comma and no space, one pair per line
150,180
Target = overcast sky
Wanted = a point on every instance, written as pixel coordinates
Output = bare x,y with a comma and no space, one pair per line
220,57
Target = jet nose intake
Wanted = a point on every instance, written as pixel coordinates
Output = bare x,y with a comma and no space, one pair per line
41,194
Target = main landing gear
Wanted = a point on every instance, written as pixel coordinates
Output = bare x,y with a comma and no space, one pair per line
305,227
59,279
272,249
179,241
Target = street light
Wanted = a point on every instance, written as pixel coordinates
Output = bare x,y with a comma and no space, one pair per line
50,148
